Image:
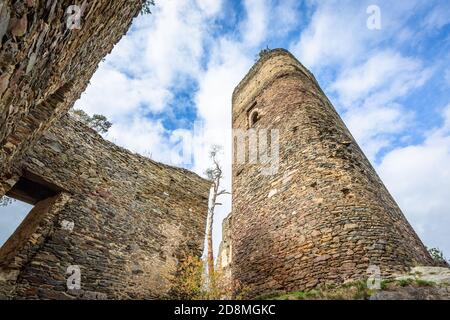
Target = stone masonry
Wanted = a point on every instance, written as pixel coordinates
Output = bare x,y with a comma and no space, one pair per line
45,63
325,216
124,219
120,219
224,257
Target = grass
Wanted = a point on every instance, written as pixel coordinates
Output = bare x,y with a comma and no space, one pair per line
350,291
405,282
424,283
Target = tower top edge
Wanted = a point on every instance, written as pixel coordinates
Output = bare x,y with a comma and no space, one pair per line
261,61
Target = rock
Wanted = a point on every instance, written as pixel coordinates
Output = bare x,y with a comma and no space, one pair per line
31,63
137,269
322,258
18,27
4,21
4,81
272,193
348,226
437,275
412,293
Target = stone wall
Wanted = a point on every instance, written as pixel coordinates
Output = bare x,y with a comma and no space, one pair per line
45,66
325,215
223,264
124,219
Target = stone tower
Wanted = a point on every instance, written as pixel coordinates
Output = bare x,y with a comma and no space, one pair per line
324,216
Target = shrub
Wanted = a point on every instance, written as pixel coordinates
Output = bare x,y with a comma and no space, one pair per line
188,280
97,122
438,256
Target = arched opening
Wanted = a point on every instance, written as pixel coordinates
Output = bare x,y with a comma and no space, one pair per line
254,118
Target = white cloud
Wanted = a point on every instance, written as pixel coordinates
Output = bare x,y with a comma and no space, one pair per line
210,7
115,95
370,95
161,52
227,67
338,33
175,41
143,136
332,36
419,178
284,17
386,71
373,126
254,27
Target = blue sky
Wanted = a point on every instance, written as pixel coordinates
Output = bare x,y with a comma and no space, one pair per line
177,68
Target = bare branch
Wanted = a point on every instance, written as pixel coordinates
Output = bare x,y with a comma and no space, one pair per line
214,174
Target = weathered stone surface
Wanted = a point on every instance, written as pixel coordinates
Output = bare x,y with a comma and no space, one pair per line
438,275
401,287
413,293
223,264
45,65
124,219
325,216
420,283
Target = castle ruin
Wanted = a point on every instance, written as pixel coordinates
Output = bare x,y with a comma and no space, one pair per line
324,216
116,220
122,221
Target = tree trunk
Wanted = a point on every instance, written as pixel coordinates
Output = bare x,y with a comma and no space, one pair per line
210,253
210,237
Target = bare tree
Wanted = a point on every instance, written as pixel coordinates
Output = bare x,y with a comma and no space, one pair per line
214,174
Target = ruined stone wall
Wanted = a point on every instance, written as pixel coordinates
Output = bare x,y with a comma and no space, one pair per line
45,66
124,219
223,264
325,216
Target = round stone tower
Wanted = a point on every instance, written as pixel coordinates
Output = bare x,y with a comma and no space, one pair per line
320,215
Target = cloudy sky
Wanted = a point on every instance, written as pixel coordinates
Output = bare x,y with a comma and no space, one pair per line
168,84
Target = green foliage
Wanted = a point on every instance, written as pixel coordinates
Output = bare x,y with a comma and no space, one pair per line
350,291
357,290
405,282
437,255
385,284
147,6
424,283
6,201
262,53
100,123
97,122
188,280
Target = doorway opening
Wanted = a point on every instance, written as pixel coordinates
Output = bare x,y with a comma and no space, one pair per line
22,208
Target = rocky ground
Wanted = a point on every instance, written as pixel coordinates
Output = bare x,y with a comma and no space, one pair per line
421,283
